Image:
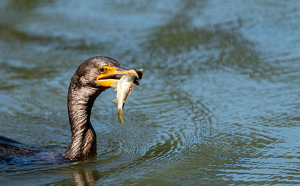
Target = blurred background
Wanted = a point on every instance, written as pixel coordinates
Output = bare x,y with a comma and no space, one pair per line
218,104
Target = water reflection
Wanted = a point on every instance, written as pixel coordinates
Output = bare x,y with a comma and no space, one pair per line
80,173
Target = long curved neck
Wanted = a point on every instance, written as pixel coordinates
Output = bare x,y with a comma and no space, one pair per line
80,103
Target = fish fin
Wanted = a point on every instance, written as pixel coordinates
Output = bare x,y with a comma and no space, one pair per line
115,84
133,86
115,101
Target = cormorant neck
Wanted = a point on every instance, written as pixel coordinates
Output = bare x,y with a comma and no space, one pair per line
80,103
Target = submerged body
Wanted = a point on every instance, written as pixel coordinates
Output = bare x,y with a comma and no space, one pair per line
124,88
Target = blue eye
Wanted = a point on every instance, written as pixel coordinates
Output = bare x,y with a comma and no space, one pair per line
101,69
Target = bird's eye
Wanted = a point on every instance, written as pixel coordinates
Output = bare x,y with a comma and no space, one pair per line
101,69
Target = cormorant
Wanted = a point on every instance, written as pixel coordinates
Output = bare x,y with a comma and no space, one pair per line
92,77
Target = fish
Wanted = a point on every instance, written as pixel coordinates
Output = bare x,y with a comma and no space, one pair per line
124,88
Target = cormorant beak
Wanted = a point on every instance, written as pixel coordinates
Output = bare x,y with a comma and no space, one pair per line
109,75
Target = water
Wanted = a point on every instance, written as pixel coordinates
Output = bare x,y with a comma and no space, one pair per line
218,105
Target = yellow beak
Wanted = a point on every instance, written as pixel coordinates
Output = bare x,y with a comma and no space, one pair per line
108,77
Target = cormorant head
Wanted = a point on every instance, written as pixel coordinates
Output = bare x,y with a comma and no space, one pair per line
102,71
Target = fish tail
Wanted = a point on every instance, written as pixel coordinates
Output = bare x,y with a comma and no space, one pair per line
115,101
120,115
